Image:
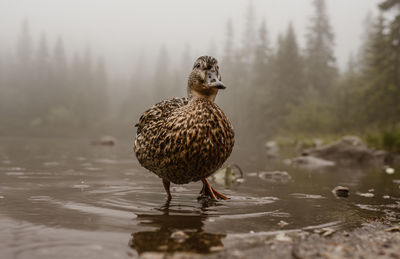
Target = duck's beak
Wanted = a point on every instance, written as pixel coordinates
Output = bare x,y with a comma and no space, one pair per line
213,81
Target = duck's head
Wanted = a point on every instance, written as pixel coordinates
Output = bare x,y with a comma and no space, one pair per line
205,79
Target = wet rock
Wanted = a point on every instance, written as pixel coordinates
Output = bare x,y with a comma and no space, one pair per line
388,170
49,164
152,255
283,237
227,176
393,229
317,142
366,194
272,149
283,223
280,177
372,240
341,191
179,236
348,150
311,162
307,196
105,141
216,249
327,232
308,144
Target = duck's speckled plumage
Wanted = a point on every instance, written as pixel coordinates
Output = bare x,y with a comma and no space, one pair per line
184,139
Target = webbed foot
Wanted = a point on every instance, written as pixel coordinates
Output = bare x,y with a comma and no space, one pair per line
209,191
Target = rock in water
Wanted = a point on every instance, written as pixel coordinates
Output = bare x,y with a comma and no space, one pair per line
341,191
275,177
272,149
348,150
105,141
388,170
311,162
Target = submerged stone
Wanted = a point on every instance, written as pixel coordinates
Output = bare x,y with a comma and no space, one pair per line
311,162
388,170
275,177
348,150
272,149
367,194
227,176
341,191
105,141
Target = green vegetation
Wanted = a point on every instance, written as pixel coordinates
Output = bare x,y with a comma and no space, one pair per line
384,139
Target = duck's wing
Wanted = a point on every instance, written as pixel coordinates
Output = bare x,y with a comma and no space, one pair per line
159,111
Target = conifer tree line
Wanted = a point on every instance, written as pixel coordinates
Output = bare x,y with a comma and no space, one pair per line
42,92
275,86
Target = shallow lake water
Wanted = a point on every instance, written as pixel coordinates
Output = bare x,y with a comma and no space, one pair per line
65,198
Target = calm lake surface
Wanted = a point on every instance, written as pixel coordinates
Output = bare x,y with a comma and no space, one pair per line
64,198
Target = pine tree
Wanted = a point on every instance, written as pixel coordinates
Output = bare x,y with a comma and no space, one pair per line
394,57
100,91
377,77
382,77
184,71
288,79
367,35
23,74
261,79
137,96
348,99
59,57
62,75
229,44
249,34
229,99
24,45
320,59
42,81
162,86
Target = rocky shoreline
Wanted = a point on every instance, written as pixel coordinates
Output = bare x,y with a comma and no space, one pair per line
375,239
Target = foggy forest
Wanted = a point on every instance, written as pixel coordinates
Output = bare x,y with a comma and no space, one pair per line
297,156
285,90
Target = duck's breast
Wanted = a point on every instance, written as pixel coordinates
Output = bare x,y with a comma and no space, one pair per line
194,142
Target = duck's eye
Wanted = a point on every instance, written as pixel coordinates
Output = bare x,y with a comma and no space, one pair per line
217,67
198,65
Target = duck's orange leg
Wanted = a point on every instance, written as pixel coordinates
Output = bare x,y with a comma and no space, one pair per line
207,190
166,187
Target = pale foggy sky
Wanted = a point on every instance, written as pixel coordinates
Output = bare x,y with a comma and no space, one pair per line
122,29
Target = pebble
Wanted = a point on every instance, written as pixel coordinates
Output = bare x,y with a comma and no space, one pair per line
367,194
179,236
327,231
216,248
388,170
283,237
393,229
341,191
282,223
281,177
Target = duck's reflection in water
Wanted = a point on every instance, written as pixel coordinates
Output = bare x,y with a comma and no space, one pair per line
175,232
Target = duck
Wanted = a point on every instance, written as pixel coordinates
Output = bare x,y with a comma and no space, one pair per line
187,139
